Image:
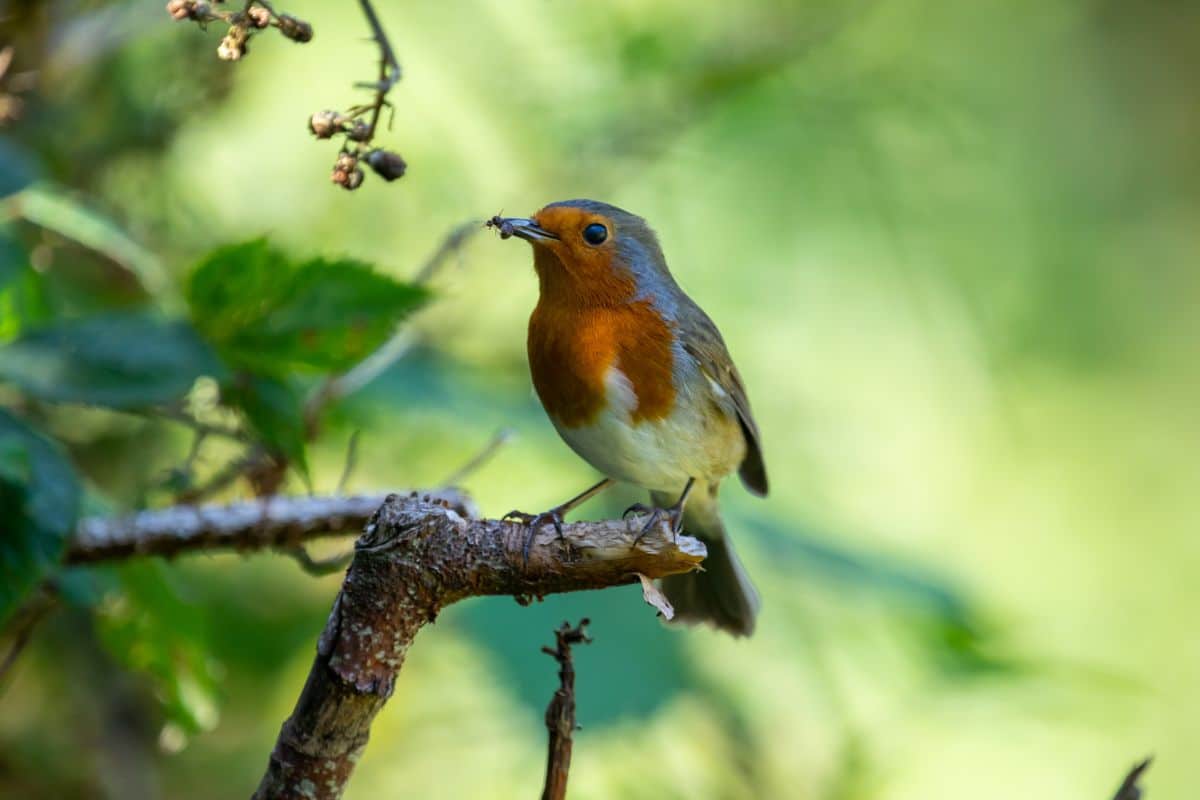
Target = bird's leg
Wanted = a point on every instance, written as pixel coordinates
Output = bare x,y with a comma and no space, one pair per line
555,515
674,514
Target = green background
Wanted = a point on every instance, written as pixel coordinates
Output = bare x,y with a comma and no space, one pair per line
953,248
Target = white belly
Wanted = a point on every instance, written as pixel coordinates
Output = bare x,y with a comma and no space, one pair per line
697,440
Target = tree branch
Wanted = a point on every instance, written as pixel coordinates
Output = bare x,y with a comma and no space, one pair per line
560,714
414,559
253,525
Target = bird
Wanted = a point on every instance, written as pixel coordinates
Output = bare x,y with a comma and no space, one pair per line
637,380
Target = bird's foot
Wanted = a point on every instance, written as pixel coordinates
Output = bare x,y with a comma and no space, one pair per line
533,522
673,515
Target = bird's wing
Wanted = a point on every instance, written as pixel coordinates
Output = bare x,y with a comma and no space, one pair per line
703,342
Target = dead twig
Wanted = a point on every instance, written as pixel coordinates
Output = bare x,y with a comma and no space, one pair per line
1130,788
336,387
317,567
477,461
560,714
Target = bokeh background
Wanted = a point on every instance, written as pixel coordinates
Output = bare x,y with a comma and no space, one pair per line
953,248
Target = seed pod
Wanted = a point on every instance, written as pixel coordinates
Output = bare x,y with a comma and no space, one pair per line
349,179
387,165
359,131
233,46
179,9
259,17
295,29
325,124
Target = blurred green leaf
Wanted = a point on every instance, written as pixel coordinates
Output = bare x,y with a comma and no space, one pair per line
275,412
12,256
948,626
151,628
55,210
117,360
40,497
16,169
24,302
268,313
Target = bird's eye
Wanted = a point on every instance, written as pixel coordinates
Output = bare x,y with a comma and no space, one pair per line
595,233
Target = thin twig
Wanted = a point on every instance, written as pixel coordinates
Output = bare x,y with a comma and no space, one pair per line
226,476
317,567
560,714
451,244
476,462
389,67
336,387
351,462
33,612
1131,787
206,428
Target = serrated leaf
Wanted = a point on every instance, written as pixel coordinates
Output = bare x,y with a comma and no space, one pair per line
39,493
115,360
267,313
275,413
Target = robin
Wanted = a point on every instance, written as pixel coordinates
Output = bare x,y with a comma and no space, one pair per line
637,380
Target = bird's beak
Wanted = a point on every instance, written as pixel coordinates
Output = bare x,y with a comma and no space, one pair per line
526,229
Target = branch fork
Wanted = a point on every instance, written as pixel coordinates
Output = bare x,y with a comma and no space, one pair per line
415,558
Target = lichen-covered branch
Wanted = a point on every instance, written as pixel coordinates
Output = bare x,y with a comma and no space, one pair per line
414,559
251,525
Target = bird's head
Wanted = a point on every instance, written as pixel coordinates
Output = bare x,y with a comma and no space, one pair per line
589,253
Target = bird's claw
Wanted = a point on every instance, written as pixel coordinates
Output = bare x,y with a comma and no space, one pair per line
673,515
533,522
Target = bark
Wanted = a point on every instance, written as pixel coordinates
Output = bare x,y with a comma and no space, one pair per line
250,525
414,559
560,714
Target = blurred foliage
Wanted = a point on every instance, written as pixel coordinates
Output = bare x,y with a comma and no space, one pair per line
951,246
41,500
113,360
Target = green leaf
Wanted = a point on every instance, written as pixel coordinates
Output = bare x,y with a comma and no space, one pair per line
39,495
55,210
151,628
275,413
17,169
267,313
13,259
116,360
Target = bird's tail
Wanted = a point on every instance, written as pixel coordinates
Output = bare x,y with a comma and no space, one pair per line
722,595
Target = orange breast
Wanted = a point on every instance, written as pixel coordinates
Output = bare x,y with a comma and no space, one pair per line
571,350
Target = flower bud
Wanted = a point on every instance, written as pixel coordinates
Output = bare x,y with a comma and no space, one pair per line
387,165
